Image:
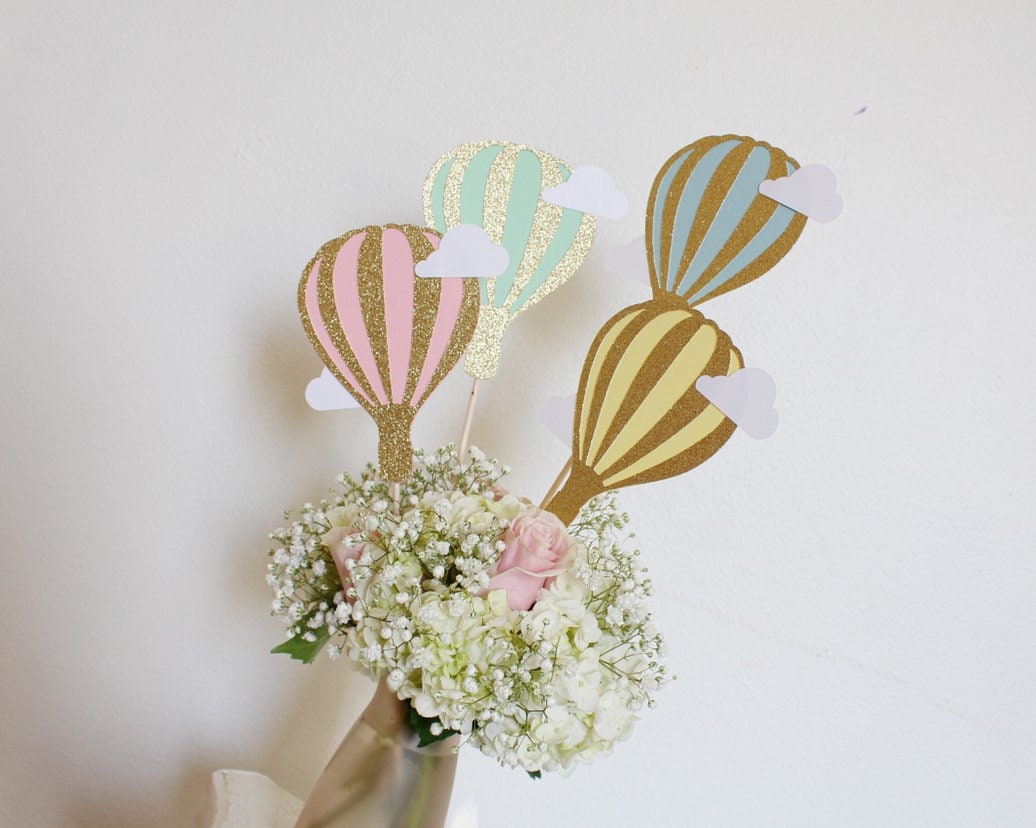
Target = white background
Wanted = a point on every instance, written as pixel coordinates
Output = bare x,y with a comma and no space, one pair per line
850,605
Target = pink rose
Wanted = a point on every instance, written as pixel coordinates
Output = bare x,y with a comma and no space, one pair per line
538,547
341,552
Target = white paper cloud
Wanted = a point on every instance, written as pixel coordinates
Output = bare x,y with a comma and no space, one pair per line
557,414
589,190
746,397
810,190
465,251
629,261
325,393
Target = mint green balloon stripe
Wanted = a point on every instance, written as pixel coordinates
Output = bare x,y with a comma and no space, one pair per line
564,236
438,188
473,194
690,202
473,186
656,219
760,243
521,212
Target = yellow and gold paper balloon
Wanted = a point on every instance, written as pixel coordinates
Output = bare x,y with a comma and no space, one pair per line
499,187
638,415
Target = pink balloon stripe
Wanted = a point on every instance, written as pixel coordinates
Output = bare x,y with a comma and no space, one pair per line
397,266
313,311
451,295
350,314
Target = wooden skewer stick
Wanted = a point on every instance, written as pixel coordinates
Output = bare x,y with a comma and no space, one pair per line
394,494
462,446
557,484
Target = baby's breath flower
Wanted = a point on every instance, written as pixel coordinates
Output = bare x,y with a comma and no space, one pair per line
548,688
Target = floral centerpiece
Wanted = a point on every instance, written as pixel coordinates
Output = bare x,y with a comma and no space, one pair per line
519,629
493,620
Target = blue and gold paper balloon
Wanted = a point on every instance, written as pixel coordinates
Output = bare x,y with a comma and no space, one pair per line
708,228
498,186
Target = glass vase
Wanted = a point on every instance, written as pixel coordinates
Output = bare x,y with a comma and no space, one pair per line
380,778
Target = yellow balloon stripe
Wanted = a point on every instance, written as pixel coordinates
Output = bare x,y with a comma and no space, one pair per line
600,351
672,385
695,432
622,377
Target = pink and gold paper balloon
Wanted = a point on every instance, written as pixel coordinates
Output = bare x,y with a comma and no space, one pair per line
387,335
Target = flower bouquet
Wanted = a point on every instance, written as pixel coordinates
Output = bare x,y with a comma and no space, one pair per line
495,622
514,626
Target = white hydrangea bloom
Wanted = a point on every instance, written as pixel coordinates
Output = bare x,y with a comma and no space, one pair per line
543,689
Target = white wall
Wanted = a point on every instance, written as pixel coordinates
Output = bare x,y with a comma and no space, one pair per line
850,605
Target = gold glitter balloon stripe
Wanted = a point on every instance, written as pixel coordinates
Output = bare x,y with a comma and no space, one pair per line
755,218
680,438
467,318
660,390
761,210
495,202
329,318
427,294
370,278
716,192
670,203
717,428
546,219
625,376
600,383
570,262
599,349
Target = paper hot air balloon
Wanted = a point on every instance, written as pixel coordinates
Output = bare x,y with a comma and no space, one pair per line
708,228
389,337
638,416
497,186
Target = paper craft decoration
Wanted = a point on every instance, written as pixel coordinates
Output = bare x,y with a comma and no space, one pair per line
388,337
746,397
498,186
465,250
811,190
708,228
325,393
639,416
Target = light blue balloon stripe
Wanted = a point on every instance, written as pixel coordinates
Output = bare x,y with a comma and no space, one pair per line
736,204
760,243
521,213
568,228
690,202
660,198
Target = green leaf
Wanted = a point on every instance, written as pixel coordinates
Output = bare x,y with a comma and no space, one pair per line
304,651
423,728
534,774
